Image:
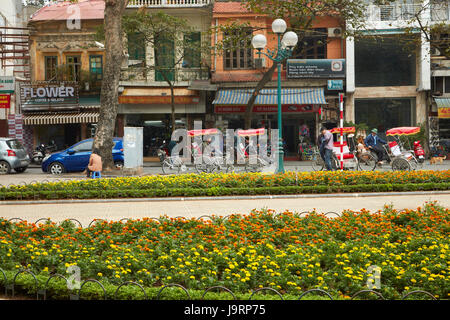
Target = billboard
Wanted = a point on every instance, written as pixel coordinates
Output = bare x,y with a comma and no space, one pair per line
315,68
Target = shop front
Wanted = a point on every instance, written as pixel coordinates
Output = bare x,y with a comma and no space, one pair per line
56,112
150,108
300,113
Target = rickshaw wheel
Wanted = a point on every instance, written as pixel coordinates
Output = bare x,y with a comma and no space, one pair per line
367,162
317,163
401,164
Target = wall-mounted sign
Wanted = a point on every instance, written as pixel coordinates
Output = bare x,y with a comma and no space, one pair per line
6,84
335,84
267,108
5,101
46,95
15,126
315,68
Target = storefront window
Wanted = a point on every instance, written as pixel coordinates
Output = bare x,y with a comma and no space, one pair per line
384,62
384,114
51,63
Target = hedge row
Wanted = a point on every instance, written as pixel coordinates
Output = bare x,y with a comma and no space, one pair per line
219,191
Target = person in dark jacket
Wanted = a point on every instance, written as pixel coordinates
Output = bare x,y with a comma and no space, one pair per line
374,142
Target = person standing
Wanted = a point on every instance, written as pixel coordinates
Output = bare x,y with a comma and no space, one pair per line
327,147
373,141
95,163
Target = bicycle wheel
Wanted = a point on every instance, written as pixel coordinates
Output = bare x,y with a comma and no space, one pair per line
229,168
201,168
168,167
317,162
401,164
367,162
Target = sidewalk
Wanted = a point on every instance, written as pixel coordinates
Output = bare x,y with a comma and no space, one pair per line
116,210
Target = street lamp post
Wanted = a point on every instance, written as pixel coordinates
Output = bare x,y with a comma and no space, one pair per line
284,50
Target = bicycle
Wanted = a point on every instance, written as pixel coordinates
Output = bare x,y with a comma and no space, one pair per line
173,165
318,164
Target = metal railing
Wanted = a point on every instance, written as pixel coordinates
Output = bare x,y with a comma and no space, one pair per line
392,12
168,3
440,10
43,292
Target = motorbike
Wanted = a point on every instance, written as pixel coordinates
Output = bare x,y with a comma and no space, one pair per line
43,150
162,152
419,152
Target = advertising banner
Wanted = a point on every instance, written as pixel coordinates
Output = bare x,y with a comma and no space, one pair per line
5,101
7,84
315,68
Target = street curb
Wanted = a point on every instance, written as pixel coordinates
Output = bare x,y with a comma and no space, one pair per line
294,196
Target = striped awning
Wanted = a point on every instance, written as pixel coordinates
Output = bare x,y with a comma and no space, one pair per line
60,118
269,96
442,102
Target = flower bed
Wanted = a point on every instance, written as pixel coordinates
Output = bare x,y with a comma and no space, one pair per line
190,185
287,252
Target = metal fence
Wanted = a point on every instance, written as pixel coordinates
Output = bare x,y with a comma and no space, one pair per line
42,293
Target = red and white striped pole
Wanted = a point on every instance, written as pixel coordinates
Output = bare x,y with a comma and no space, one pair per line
341,126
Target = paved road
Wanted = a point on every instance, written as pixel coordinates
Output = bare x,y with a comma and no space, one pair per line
116,210
34,173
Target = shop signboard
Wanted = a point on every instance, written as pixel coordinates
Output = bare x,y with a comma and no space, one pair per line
268,108
7,84
5,101
335,85
315,68
444,112
15,126
47,95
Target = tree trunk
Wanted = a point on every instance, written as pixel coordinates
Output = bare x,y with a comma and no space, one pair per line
260,85
109,97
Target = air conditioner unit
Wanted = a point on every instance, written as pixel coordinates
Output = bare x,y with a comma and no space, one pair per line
260,63
334,32
435,52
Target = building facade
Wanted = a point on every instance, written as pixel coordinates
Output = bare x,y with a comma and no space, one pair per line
62,100
145,96
307,101
389,77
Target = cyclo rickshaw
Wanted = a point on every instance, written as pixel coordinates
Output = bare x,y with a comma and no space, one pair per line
253,161
176,164
399,151
353,160
208,162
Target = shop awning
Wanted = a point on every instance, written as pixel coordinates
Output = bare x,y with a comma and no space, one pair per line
60,118
269,96
443,105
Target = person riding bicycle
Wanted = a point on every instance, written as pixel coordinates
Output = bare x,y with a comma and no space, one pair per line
374,142
326,147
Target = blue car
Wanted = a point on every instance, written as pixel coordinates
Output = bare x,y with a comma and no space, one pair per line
76,158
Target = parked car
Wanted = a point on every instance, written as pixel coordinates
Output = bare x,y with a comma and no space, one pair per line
76,157
13,156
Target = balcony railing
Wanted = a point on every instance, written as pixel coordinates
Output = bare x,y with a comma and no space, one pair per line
440,10
168,3
392,12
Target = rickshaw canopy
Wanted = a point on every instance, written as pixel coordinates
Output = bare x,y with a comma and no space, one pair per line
251,132
202,132
402,131
345,130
